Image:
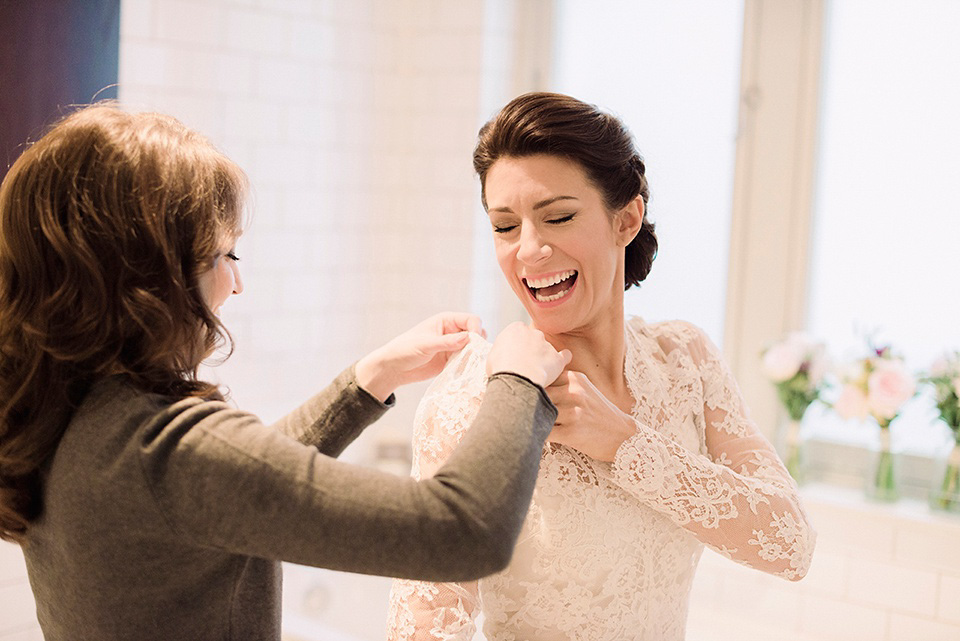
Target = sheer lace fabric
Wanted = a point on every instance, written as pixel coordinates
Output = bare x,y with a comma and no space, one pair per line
609,551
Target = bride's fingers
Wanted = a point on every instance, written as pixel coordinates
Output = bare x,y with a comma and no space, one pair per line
566,416
559,397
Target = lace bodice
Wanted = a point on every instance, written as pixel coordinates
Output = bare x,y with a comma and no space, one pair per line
609,550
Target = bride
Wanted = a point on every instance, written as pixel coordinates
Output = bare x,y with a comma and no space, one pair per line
653,454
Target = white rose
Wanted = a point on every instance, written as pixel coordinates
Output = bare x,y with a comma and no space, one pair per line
782,361
889,386
852,403
802,340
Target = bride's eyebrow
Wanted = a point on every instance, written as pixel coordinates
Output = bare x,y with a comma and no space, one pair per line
538,205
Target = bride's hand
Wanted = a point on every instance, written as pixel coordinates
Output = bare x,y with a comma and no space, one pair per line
417,354
587,421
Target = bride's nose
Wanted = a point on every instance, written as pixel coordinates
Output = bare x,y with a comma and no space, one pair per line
533,247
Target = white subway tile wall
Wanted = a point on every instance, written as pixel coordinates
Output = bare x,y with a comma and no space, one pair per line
355,122
879,573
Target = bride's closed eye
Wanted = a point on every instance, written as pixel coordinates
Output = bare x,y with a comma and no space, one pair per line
562,219
232,256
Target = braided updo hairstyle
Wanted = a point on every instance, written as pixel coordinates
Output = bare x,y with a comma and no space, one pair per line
560,125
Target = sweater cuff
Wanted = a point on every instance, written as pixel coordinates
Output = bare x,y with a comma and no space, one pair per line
543,393
351,377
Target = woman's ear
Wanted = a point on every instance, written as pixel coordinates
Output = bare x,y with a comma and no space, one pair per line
629,220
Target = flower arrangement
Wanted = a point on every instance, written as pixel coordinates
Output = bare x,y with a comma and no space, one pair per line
877,386
944,377
796,366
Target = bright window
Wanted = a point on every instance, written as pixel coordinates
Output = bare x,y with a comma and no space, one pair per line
671,71
887,222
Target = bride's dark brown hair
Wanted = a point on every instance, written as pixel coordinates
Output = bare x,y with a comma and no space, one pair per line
106,223
559,125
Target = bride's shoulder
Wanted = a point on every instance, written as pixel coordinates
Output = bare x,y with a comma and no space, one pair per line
470,362
465,370
450,402
669,334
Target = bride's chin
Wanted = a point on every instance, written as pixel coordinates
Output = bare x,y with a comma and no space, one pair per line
547,323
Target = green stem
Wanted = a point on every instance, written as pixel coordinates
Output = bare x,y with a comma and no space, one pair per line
949,496
949,488
884,480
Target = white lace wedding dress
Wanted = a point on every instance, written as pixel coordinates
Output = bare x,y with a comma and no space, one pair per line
608,550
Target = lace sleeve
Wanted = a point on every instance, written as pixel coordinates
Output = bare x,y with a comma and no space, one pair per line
739,499
421,610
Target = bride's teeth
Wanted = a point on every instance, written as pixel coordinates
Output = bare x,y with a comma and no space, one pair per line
553,280
546,299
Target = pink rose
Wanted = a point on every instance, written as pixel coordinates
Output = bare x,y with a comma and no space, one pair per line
782,361
852,403
889,386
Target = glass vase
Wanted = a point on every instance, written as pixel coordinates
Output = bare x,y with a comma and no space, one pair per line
793,454
945,493
882,475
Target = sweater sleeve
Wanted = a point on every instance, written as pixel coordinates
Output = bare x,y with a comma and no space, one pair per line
224,480
738,499
334,417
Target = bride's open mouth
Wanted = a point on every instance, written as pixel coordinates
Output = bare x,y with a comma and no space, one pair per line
551,288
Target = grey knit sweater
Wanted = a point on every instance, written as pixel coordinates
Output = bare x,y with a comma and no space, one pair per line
167,520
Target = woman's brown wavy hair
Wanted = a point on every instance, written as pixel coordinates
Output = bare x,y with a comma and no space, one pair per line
106,223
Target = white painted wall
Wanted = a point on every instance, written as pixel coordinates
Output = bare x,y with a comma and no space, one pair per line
879,573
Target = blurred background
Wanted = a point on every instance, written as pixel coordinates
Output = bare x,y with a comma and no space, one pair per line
802,157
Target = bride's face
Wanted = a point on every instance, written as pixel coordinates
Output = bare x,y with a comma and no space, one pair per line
559,247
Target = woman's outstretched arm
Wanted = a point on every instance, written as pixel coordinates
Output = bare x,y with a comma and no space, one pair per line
223,479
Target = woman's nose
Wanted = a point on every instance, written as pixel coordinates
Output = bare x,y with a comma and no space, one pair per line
533,247
237,281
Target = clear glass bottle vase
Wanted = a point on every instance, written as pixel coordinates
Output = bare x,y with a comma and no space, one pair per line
882,483
793,452
945,491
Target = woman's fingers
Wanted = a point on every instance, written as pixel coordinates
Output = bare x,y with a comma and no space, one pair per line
524,350
444,343
453,322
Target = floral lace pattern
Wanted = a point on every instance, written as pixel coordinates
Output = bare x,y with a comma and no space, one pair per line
609,550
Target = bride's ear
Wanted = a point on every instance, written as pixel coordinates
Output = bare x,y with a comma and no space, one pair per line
629,220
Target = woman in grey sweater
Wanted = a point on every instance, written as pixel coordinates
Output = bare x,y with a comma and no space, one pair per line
147,507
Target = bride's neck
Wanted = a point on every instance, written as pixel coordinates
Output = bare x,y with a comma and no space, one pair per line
598,350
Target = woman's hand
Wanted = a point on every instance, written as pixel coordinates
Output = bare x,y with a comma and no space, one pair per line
587,421
523,350
417,354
